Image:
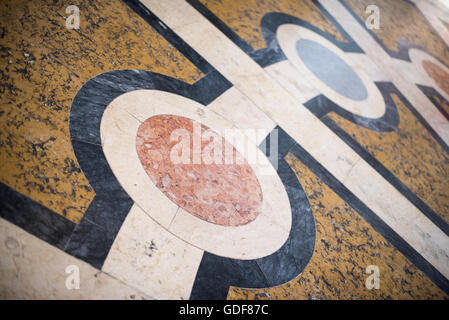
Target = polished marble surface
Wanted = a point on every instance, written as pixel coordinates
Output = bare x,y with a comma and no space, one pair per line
199,170
350,127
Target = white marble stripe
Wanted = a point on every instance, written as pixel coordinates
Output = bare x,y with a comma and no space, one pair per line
376,53
248,115
148,257
307,130
33,269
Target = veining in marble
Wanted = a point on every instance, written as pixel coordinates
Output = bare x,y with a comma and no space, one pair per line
218,192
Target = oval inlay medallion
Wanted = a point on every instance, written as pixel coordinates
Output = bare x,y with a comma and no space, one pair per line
331,69
220,193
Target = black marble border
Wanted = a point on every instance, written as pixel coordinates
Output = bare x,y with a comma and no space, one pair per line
378,224
216,274
170,36
94,235
269,24
431,93
34,218
321,107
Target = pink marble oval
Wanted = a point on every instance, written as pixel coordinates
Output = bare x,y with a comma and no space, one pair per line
224,194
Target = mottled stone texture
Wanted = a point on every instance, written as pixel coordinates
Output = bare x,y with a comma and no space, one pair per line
209,188
244,17
438,74
411,154
345,245
43,65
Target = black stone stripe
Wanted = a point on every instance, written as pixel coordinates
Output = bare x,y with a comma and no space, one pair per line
170,36
220,25
321,107
216,274
431,93
381,227
34,218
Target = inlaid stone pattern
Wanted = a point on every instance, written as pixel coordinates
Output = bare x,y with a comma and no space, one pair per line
345,245
217,192
437,73
244,17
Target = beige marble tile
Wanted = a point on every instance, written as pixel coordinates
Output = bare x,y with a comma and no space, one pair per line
408,69
148,257
173,18
302,126
242,112
364,62
33,269
285,73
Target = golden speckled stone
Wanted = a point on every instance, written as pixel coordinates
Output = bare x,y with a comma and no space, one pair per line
345,245
411,154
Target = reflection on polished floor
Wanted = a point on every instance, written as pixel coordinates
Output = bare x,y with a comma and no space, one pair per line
223,149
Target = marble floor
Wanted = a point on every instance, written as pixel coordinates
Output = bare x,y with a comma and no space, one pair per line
223,149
